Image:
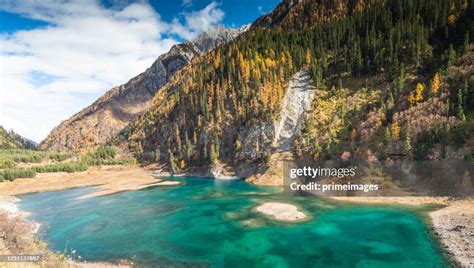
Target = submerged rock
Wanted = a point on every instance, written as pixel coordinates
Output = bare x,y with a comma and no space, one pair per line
281,211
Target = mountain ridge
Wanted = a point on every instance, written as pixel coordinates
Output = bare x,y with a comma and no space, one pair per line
12,140
100,121
369,62
299,14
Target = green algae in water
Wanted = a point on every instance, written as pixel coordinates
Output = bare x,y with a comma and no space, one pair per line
211,223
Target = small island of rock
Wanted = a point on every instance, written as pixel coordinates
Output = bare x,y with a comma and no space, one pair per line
281,211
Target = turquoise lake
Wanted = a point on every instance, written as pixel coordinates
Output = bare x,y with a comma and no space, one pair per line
205,222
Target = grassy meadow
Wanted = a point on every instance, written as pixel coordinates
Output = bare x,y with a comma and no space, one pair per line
26,163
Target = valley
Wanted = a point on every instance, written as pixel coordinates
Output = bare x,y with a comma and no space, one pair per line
187,163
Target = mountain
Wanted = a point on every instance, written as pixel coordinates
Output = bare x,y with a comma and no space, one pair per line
11,140
99,122
300,14
217,35
381,82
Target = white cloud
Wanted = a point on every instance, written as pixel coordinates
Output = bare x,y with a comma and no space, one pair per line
187,3
198,21
85,50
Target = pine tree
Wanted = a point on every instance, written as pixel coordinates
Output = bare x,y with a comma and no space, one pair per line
408,147
189,146
388,137
451,55
214,153
465,48
461,114
172,161
411,99
178,138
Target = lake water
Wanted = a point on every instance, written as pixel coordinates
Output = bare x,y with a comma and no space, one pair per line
206,222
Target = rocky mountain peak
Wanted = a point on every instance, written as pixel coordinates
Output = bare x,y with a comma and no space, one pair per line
103,119
216,35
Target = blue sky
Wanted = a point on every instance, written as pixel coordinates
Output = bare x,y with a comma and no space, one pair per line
59,56
237,13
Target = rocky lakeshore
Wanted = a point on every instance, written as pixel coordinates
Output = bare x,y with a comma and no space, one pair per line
19,237
453,224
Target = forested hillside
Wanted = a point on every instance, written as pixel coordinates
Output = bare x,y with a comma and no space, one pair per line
11,140
387,73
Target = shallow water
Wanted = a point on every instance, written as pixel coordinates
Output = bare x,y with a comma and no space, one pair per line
211,223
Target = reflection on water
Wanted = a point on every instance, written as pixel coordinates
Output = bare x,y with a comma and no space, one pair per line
212,223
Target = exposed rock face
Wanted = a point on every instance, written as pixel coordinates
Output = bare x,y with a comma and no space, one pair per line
280,134
261,133
273,173
298,98
102,120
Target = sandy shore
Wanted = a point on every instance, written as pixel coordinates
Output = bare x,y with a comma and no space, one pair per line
281,211
7,205
453,224
109,179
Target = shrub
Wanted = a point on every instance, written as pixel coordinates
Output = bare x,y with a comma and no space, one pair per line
7,163
62,167
59,157
32,156
22,155
12,174
100,156
459,134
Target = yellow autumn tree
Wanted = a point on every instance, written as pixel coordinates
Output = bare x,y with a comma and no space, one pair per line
353,135
199,121
419,92
435,84
395,128
452,19
217,59
238,145
182,164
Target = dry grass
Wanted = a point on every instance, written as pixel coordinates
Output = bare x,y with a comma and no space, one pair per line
111,179
16,235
